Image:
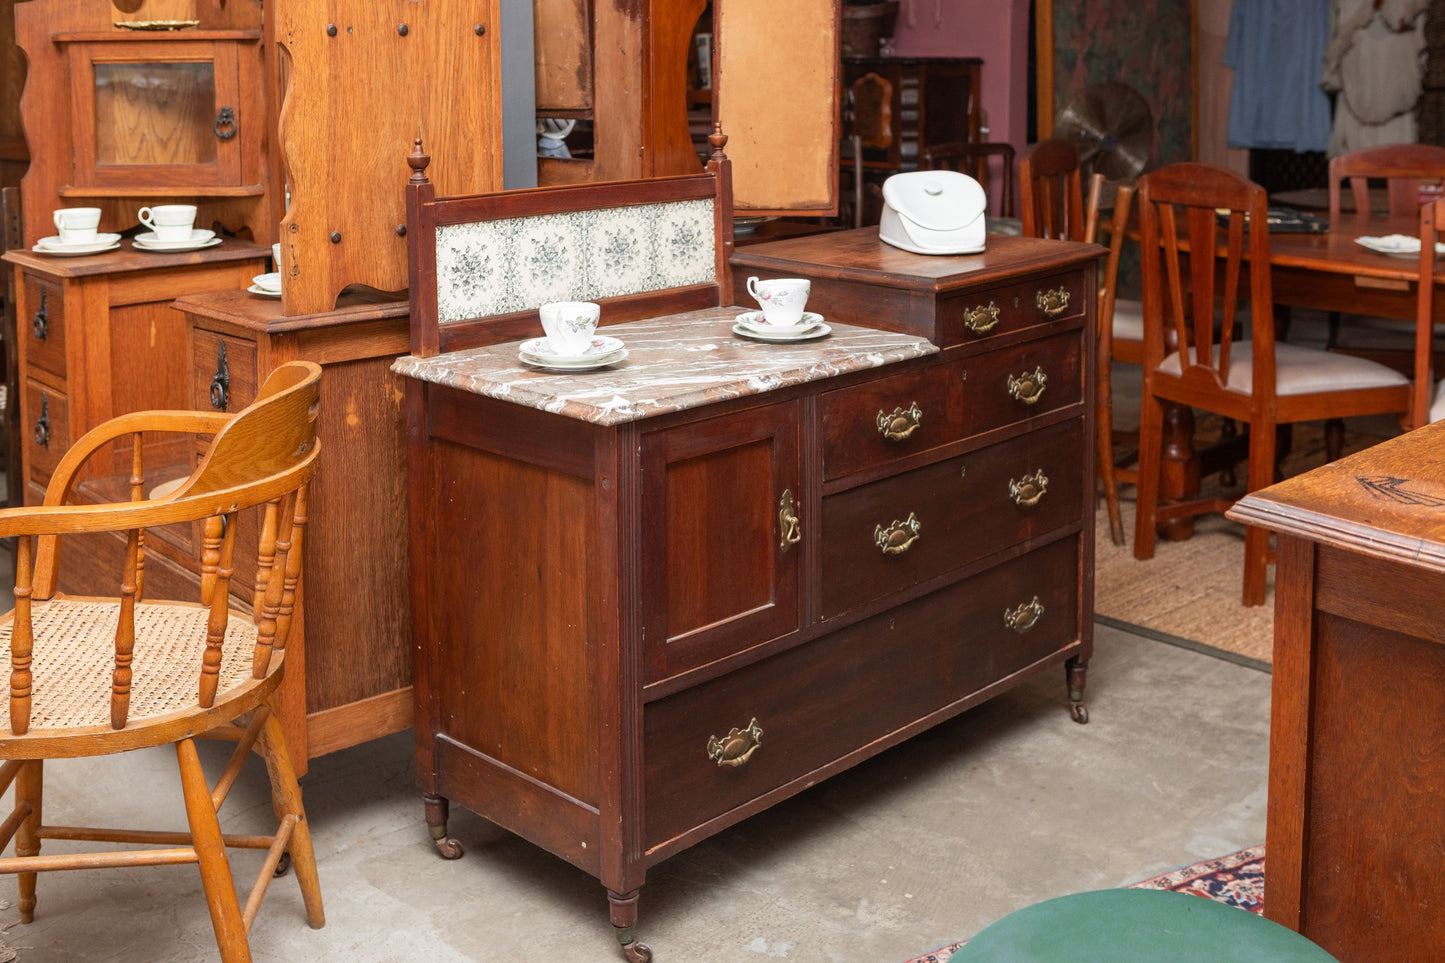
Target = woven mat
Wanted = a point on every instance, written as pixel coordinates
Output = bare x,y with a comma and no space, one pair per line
1236,880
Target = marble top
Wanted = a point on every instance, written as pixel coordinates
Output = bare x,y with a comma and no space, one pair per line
674,363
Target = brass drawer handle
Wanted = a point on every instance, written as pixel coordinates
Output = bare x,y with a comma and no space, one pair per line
898,537
1053,303
900,424
1024,617
41,324
1027,491
42,424
982,319
1028,388
737,747
788,522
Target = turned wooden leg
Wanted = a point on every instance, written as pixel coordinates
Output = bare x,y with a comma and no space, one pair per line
29,782
437,811
1075,672
1178,468
622,907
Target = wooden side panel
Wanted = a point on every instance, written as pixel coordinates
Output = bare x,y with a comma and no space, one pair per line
361,97
564,55
14,153
763,126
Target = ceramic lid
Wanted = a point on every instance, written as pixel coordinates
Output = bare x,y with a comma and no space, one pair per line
936,200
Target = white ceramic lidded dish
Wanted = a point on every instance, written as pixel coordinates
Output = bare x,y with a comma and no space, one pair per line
933,212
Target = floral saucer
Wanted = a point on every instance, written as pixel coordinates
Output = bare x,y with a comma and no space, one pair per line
602,352
753,321
783,335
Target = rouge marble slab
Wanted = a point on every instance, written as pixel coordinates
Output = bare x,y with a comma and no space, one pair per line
675,362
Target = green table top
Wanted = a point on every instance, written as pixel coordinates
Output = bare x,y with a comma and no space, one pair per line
1128,925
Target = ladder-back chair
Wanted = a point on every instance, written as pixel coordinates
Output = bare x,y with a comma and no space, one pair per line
975,158
93,676
1051,191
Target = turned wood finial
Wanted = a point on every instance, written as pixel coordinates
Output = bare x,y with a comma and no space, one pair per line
418,160
718,140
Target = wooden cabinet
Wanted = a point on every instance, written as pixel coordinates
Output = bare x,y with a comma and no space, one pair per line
641,630
1355,828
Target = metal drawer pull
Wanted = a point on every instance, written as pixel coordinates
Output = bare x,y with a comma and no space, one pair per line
1053,303
788,521
898,537
1028,388
737,747
221,380
1027,491
42,424
1024,617
982,319
41,324
225,126
900,424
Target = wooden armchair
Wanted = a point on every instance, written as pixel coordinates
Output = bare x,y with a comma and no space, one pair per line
94,676
1204,287
1051,191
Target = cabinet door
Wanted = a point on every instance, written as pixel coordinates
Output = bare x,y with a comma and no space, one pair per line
721,537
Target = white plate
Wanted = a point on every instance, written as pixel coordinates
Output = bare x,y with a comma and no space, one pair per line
601,362
164,247
53,245
198,236
753,321
1396,245
269,282
263,292
540,351
818,330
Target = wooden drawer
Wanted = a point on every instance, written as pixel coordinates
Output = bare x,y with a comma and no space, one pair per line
43,327
44,429
1003,310
1021,381
887,418
819,702
224,377
891,534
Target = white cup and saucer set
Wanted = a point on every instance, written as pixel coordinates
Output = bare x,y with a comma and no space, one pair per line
782,318
266,285
172,229
572,342
77,233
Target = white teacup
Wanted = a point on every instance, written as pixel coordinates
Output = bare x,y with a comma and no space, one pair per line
782,299
77,225
570,325
276,255
170,222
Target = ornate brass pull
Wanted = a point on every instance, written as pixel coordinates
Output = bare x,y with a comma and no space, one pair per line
1024,617
900,424
1053,303
898,537
221,380
737,747
42,424
1027,491
1028,388
788,522
41,324
982,319
225,126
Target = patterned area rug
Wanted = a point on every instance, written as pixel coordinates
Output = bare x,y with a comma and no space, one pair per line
1236,879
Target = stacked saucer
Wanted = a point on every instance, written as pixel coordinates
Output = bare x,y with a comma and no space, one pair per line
751,324
266,285
199,238
55,247
602,352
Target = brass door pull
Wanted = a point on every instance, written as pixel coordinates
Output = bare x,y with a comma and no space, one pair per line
898,537
1027,491
788,522
737,747
900,424
1025,616
1028,388
981,319
1053,303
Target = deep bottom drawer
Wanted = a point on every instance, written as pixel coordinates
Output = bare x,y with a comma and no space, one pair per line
821,701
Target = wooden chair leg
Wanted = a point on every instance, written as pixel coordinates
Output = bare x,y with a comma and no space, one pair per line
286,792
1151,442
1334,438
29,788
215,864
1256,540
1104,434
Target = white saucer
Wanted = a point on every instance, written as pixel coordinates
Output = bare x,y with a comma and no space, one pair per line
775,336
198,239
539,351
53,245
1396,245
264,292
601,361
268,282
753,321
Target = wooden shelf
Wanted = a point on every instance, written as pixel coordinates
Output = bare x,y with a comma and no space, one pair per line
152,36
244,190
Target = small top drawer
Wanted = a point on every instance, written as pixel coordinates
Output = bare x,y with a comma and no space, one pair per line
42,326
977,315
887,418
45,430
224,378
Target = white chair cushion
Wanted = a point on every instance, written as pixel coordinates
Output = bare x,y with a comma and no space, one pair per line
1437,407
1128,321
1300,370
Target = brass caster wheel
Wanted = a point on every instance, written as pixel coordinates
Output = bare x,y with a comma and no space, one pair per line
283,865
1079,712
637,952
449,847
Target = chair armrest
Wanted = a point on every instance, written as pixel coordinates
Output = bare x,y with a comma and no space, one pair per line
176,422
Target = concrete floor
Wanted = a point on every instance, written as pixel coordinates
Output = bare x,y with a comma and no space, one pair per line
1008,804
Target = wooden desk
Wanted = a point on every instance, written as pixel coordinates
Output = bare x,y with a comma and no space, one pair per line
1356,830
